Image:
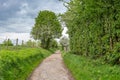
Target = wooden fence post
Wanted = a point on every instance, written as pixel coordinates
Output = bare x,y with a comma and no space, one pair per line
7,43
16,43
22,42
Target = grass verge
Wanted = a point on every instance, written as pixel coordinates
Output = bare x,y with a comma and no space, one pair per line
18,64
83,68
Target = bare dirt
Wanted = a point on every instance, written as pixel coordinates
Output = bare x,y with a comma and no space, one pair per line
52,68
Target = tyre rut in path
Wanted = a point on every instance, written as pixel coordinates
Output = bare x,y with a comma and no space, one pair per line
52,68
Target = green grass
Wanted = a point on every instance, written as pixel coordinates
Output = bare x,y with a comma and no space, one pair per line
83,68
18,64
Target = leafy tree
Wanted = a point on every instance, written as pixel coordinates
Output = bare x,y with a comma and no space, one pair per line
7,42
64,41
54,44
38,43
30,43
47,27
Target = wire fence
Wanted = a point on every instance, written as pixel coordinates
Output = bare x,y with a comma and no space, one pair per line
13,44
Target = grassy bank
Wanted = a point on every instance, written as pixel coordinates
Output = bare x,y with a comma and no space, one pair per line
84,68
18,64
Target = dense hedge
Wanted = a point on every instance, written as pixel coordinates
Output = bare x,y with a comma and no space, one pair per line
18,64
94,28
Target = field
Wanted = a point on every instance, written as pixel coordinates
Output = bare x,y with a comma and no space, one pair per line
84,68
18,64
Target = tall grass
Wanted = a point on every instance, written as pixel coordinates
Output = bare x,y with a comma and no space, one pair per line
84,68
18,64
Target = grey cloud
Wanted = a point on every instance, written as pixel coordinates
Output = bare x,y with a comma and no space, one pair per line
19,25
8,8
18,15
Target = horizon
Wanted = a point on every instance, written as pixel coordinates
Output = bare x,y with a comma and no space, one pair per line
17,18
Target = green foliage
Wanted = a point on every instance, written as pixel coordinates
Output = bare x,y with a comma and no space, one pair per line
30,43
18,64
7,43
47,27
93,27
83,68
54,44
114,58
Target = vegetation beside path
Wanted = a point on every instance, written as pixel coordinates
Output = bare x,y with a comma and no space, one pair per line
94,39
83,68
18,64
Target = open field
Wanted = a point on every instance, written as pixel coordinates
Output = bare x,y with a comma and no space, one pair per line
18,64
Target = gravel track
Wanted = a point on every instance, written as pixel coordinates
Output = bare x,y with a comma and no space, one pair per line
52,68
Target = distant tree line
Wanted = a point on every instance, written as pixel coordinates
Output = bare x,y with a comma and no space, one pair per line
7,42
29,43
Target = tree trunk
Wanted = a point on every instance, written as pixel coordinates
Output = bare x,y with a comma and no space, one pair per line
43,43
111,43
47,43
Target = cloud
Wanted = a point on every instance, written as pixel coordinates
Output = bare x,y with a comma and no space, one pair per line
13,36
17,17
64,33
19,25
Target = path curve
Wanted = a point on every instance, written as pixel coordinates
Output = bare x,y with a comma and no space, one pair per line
52,68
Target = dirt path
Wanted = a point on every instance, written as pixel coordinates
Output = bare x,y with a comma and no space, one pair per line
52,68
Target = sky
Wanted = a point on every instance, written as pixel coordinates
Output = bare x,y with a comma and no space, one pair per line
17,16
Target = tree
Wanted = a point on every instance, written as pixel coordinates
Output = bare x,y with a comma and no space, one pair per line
47,27
54,44
64,41
7,42
30,43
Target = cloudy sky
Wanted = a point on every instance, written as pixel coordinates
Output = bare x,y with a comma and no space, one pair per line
17,16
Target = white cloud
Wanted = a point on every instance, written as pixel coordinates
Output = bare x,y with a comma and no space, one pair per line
20,24
14,36
52,5
23,9
65,29
5,5
64,33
